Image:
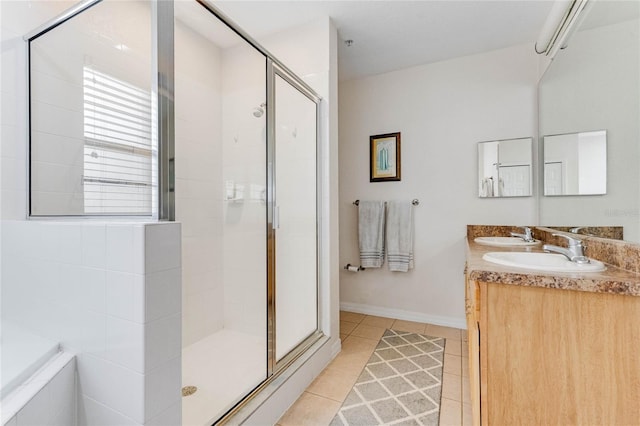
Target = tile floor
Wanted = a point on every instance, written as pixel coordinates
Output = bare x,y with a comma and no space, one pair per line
360,335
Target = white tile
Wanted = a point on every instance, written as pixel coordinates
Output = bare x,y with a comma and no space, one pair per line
55,120
62,242
163,294
172,416
124,251
125,343
63,390
44,278
93,413
81,287
125,295
94,245
14,204
117,387
163,341
13,142
10,106
12,422
66,416
162,247
38,410
163,387
77,329
20,237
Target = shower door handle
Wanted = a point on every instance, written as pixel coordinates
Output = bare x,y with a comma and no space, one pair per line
276,217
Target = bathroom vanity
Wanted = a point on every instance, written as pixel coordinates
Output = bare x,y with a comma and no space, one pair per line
553,348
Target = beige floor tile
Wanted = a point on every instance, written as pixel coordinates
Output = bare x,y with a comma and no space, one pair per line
453,347
355,353
351,317
465,349
368,332
334,383
465,367
441,331
453,364
450,412
374,321
346,327
350,362
452,387
343,336
410,326
466,391
311,410
357,343
465,335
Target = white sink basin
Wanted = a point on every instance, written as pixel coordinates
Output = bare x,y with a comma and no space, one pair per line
504,242
549,262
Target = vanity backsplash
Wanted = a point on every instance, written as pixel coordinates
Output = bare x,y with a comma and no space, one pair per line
622,254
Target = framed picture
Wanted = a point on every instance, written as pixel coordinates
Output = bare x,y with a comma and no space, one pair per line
384,157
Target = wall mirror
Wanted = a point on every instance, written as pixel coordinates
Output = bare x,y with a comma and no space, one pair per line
575,163
505,168
594,84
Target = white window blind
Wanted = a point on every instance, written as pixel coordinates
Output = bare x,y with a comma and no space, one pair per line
118,150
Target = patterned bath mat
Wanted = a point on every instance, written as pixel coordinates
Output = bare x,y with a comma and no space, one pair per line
400,385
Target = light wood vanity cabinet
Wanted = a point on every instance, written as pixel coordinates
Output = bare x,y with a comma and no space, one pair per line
543,356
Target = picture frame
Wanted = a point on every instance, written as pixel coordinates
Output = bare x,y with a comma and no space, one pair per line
384,157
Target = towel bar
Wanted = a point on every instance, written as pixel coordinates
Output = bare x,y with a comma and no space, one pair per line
415,202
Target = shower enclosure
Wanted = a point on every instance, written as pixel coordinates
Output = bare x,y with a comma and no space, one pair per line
179,114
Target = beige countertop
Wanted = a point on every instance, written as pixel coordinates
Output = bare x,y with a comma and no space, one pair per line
613,280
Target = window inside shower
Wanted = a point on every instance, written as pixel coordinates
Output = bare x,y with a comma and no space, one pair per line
92,114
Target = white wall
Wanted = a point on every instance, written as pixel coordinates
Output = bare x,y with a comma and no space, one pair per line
442,110
594,85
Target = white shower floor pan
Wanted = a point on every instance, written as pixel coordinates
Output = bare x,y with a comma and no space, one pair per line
224,367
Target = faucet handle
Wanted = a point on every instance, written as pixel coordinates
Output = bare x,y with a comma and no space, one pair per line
573,242
527,232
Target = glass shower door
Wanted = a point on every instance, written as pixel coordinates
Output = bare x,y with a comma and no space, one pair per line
220,134
294,216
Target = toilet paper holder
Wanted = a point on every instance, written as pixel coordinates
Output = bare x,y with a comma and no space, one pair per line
353,268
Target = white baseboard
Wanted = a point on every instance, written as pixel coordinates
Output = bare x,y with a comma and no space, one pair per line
404,315
336,348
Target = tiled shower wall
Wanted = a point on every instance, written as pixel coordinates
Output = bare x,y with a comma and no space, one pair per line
244,146
198,129
110,293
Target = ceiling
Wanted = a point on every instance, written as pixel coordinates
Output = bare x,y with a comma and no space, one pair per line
395,34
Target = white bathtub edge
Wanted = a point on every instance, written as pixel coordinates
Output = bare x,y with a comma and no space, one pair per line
24,393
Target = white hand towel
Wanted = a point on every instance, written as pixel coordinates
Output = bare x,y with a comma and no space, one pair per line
371,220
400,236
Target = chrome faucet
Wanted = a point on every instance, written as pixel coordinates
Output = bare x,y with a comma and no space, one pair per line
574,251
527,236
577,229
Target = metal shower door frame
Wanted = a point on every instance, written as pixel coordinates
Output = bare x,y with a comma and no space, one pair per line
275,69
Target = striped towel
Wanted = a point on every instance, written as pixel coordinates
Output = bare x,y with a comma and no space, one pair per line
400,236
371,233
